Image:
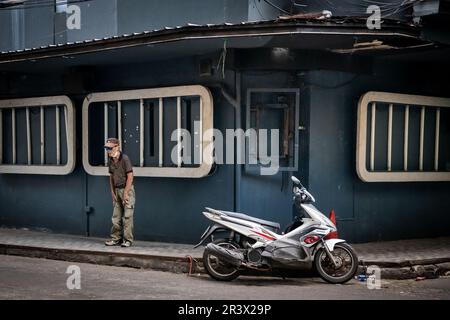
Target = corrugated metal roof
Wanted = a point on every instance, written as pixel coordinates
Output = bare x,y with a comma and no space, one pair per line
343,22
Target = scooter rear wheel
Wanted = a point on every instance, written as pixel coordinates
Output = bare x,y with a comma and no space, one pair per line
347,264
218,269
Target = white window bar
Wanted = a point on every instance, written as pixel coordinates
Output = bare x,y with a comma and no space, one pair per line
372,137
42,135
436,139
58,143
200,133
13,120
42,168
105,116
160,113
422,130
404,175
389,157
206,122
178,131
119,122
1,136
405,143
28,136
141,135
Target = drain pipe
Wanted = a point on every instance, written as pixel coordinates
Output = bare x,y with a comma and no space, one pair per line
87,209
236,103
237,125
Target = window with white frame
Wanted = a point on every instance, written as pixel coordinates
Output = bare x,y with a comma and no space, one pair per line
402,138
37,135
150,125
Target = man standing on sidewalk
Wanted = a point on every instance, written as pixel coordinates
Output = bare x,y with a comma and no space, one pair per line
123,196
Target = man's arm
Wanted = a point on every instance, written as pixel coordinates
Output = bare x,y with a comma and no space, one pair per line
111,185
128,185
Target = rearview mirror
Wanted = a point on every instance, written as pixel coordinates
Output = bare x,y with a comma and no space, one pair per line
295,180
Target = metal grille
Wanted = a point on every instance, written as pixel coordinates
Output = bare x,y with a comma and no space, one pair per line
140,120
403,138
37,135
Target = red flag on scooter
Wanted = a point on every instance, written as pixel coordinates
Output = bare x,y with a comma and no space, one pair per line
334,234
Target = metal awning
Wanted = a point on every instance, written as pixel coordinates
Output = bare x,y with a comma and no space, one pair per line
339,35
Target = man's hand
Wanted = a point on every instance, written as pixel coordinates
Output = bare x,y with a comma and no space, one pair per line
128,187
125,197
113,192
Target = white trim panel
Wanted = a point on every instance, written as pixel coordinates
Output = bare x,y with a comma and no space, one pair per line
70,135
361,138
206,106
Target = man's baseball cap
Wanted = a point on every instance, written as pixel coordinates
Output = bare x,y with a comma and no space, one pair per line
111,142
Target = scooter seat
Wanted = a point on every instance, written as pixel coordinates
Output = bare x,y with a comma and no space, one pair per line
266,223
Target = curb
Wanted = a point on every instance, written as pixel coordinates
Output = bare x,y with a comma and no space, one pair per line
403,264
161,263
418,270
426,268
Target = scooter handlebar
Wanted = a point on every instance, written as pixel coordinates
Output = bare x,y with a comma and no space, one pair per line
297,182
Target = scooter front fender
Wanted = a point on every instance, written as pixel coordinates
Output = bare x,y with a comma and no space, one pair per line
330,243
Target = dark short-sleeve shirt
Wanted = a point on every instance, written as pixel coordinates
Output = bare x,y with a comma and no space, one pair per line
119,170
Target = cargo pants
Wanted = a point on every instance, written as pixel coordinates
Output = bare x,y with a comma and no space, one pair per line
122,218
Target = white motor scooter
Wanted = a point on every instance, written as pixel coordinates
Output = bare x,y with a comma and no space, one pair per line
253,243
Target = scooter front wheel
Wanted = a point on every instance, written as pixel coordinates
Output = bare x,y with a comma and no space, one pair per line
346,259
218,269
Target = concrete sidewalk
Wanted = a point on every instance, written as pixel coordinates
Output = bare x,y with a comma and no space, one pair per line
401,259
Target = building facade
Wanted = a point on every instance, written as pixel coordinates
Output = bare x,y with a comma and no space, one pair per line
363,113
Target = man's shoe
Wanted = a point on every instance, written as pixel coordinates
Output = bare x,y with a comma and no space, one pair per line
126,244
112,242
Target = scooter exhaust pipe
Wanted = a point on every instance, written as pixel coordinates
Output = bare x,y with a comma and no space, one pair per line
226,255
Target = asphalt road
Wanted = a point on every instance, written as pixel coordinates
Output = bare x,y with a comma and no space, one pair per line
32,278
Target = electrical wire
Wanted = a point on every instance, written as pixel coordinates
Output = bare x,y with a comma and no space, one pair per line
257,9
295,4
40,4
221,62
276,7
358,8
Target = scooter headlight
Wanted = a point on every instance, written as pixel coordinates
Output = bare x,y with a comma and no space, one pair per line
311,239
